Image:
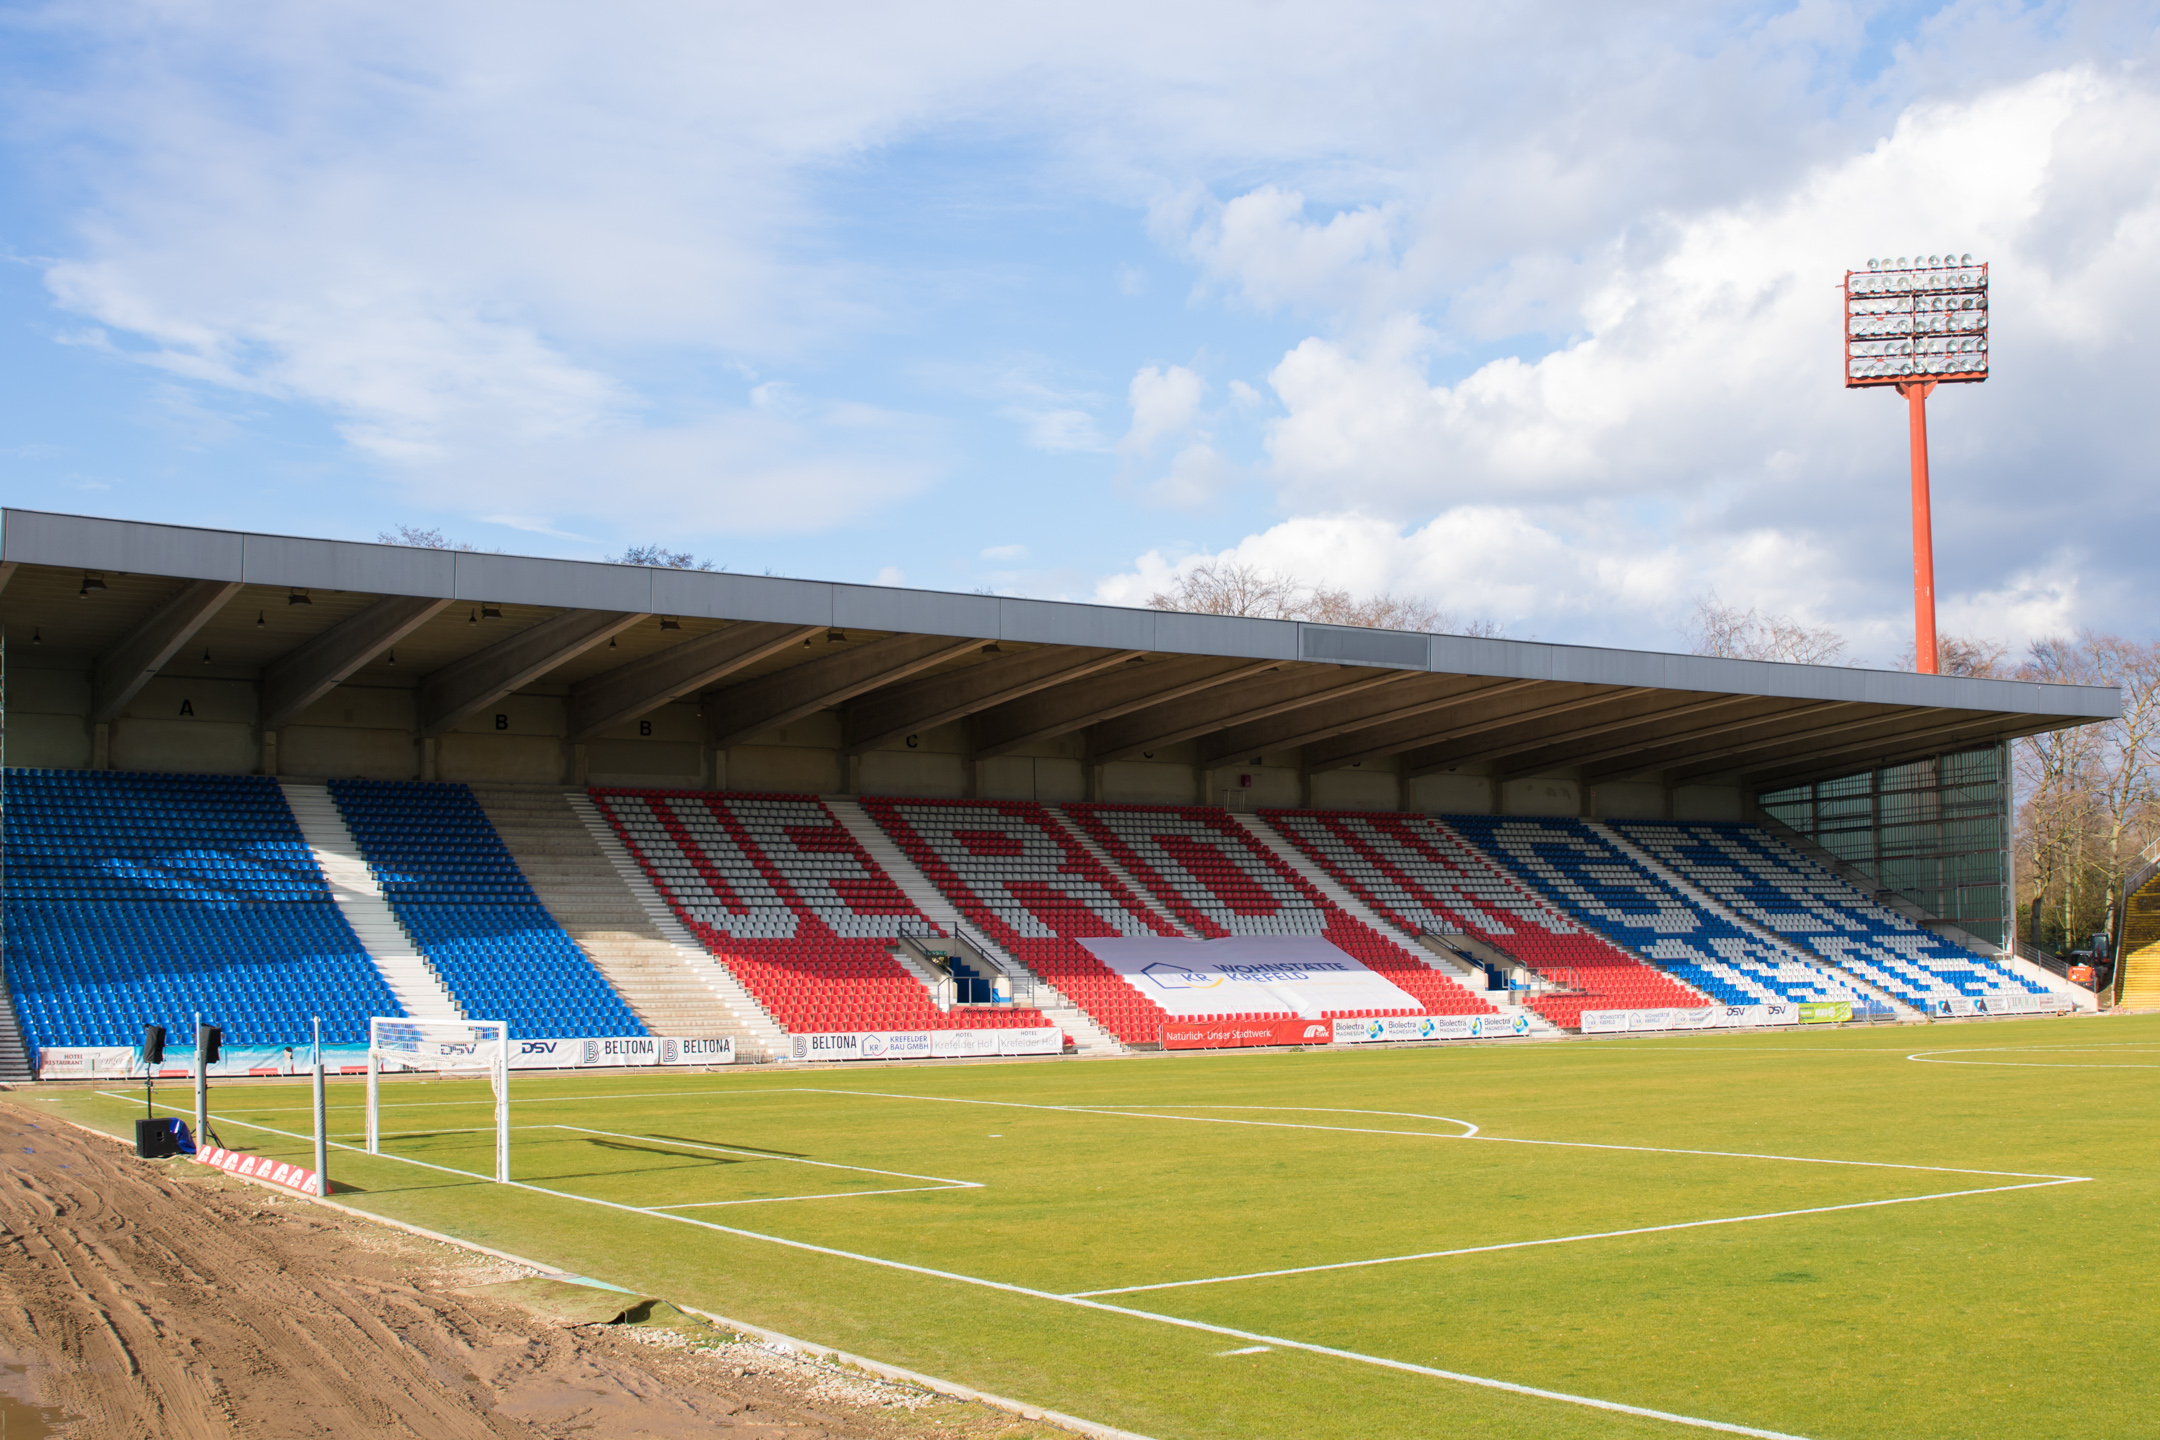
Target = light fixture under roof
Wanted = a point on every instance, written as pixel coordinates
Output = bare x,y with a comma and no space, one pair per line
206,655
37,636
392,658
472,617
259,621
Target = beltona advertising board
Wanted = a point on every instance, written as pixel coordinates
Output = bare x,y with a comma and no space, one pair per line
1300,975
926,1044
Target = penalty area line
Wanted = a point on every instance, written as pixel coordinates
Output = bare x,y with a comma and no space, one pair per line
1591,1402
1572,1239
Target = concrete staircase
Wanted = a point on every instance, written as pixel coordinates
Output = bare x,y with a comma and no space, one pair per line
352,885
1087,1037
1336,894
1118,872
594,889
14,1054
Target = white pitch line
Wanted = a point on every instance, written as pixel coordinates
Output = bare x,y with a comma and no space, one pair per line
1381,1361
1124,1113
1928,1057
943,1181
1571,1239
828,1195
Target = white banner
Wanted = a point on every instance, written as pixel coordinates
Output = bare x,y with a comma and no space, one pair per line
585,1051
1392,1029
926,1044
1299,975
2003,1003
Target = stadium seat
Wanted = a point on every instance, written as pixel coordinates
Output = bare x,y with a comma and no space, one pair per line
1423,879
147,898
1582,870
1220,881
1752,873
469,909
1016,876
780,893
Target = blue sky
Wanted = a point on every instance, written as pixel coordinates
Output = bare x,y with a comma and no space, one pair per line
1526,309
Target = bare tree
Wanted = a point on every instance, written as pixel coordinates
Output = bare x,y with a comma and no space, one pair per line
1232,587
1977,657
1735,634
1227,587
660,558
2088,797
1384,611
422,539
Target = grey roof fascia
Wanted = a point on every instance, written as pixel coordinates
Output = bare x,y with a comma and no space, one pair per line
35,537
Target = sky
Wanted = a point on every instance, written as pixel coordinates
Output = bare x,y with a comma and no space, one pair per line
1529,310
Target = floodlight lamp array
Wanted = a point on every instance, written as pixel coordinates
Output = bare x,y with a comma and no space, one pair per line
1919,317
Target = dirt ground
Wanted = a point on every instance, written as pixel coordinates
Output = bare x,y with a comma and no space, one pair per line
160,1299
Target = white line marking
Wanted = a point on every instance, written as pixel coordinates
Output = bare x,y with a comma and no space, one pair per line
1571,1239
1928,1057
1248,1350
829,1195
1381,1361
942,1180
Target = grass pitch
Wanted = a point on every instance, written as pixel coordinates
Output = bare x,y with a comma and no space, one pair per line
1938,1231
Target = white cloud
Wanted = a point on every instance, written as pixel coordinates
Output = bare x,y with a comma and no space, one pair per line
1696,432
891,575
1165,402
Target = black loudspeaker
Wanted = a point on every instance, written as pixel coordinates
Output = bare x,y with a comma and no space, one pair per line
153,1044
207,1040
154,1139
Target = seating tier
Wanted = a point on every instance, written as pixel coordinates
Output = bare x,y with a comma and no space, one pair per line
1424,879
1019,878
457,892
1751,872
778,890
1599,884
1221,881
138,899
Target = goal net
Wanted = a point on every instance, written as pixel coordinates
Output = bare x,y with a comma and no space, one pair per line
447,1047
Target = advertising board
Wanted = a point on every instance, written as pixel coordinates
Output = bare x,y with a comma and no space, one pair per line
925,1044
1393,1029
1235,1034
1824,1012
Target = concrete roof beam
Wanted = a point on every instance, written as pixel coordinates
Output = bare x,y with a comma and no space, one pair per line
477,681
641,686
934,700
121,673
1107,695
311,670
1259,698
735,714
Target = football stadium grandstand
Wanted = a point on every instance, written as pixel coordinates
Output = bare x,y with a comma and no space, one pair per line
266,779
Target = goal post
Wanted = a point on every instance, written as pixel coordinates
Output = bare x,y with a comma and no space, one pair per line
445,1047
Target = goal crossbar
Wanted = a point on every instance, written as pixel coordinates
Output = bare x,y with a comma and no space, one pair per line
450,1047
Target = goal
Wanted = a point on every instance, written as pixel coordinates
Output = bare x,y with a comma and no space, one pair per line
448,1047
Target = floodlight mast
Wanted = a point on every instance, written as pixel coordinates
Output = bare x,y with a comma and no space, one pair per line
1915,323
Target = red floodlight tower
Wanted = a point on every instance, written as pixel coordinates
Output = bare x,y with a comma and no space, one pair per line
1916,323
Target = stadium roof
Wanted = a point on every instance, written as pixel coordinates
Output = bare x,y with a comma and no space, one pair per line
762,651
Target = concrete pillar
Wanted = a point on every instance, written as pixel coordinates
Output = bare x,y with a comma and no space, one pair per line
427,757
269,753
1095,783
580,765
101,747
851,774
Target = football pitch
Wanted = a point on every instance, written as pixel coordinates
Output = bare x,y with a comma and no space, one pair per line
1921,1231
